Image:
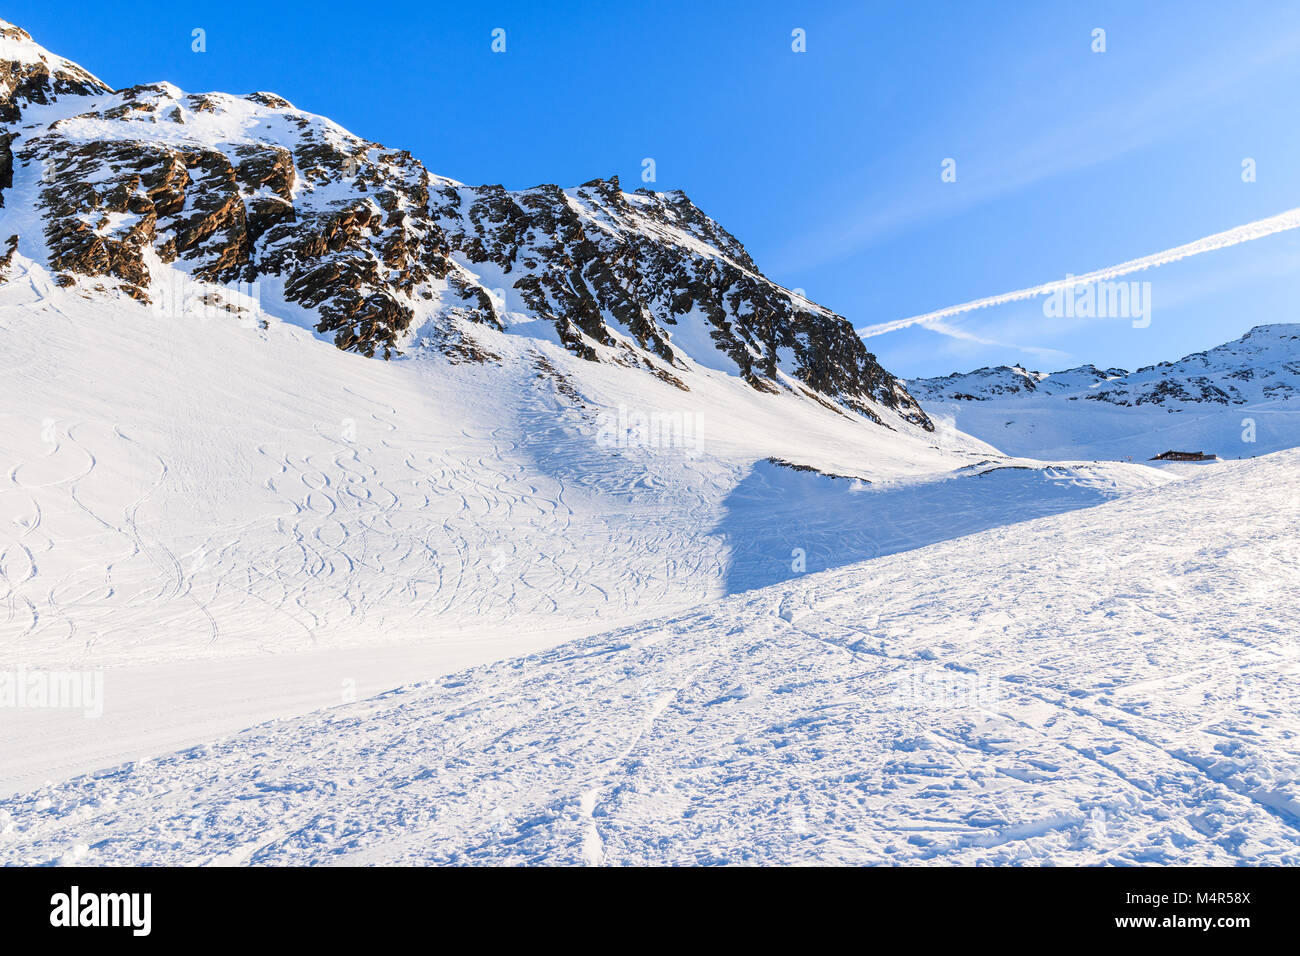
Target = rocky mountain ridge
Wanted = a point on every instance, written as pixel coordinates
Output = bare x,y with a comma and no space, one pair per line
111,189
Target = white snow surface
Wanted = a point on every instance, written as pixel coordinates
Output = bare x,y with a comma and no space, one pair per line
234,521
1112,685
354,611
25,51
605,652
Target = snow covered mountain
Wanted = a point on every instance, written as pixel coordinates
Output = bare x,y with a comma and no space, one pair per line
1010,380
585,392
408,521
118,192
594,409
1237,400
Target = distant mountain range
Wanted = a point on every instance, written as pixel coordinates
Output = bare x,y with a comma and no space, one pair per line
1240,399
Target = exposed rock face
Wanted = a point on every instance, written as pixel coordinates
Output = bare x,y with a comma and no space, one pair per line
251,190
30,75
595,260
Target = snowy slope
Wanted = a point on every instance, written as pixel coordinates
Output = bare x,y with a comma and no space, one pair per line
237,489
1238,400
597,410
1113,685
238,493
579,382
192,470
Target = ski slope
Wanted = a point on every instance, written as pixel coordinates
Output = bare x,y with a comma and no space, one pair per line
1112,685
176,487
234,521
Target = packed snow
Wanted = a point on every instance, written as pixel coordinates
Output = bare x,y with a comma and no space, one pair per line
794,637
1112,685
317,512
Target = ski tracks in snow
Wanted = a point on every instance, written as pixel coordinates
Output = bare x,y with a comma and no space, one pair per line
1000,698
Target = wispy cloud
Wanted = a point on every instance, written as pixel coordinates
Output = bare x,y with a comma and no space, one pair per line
965,336
1220,240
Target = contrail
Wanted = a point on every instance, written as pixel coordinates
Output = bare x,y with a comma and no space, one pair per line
1220,240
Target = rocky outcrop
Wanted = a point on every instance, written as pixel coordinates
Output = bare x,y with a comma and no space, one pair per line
242,211
601,263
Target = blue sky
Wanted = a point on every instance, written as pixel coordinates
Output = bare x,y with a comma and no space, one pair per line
826,163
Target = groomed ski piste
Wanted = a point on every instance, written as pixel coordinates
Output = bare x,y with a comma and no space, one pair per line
1105,686
348,611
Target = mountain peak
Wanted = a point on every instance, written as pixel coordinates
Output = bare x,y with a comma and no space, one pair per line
31,74
1277,330
379,254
